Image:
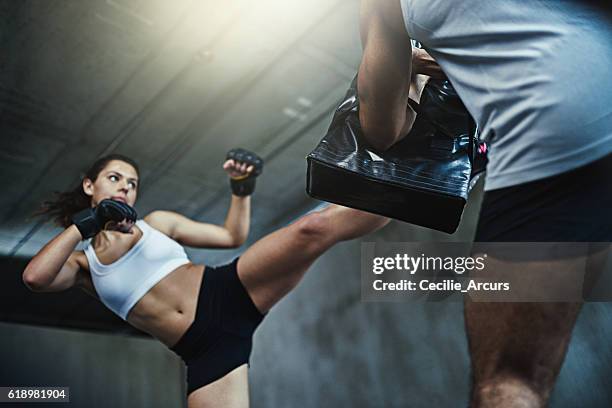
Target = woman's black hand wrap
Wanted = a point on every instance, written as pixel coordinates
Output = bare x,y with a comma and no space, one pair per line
90,221
244,186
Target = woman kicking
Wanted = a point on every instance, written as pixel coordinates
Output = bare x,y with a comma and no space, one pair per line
139,270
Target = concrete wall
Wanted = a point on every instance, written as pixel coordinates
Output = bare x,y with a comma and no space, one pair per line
101,370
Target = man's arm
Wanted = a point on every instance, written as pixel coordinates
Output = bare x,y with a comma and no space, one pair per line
384,74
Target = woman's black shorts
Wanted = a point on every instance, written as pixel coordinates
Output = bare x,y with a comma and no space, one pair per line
221,335
575,206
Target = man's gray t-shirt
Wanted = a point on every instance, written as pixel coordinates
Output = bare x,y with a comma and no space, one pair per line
535,74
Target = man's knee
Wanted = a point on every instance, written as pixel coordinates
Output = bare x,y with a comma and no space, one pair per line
507,391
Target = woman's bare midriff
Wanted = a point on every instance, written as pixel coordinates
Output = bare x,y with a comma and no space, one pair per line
168,309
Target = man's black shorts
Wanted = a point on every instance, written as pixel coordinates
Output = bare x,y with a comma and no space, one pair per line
575,206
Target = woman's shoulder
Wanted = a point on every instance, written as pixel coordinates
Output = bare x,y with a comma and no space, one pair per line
80,258
157,216
83,279
162,220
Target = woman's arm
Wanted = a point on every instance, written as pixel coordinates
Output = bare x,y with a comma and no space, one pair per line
56,266
243,167
203,235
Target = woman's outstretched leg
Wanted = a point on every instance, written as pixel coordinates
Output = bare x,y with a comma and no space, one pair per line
274,265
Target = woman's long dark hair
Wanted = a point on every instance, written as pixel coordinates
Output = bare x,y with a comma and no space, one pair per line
66,204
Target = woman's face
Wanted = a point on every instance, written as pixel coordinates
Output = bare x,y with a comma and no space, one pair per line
117,181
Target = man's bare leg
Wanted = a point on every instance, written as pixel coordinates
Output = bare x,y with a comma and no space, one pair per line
517,350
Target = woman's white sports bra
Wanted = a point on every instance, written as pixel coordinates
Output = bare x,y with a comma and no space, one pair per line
124,282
